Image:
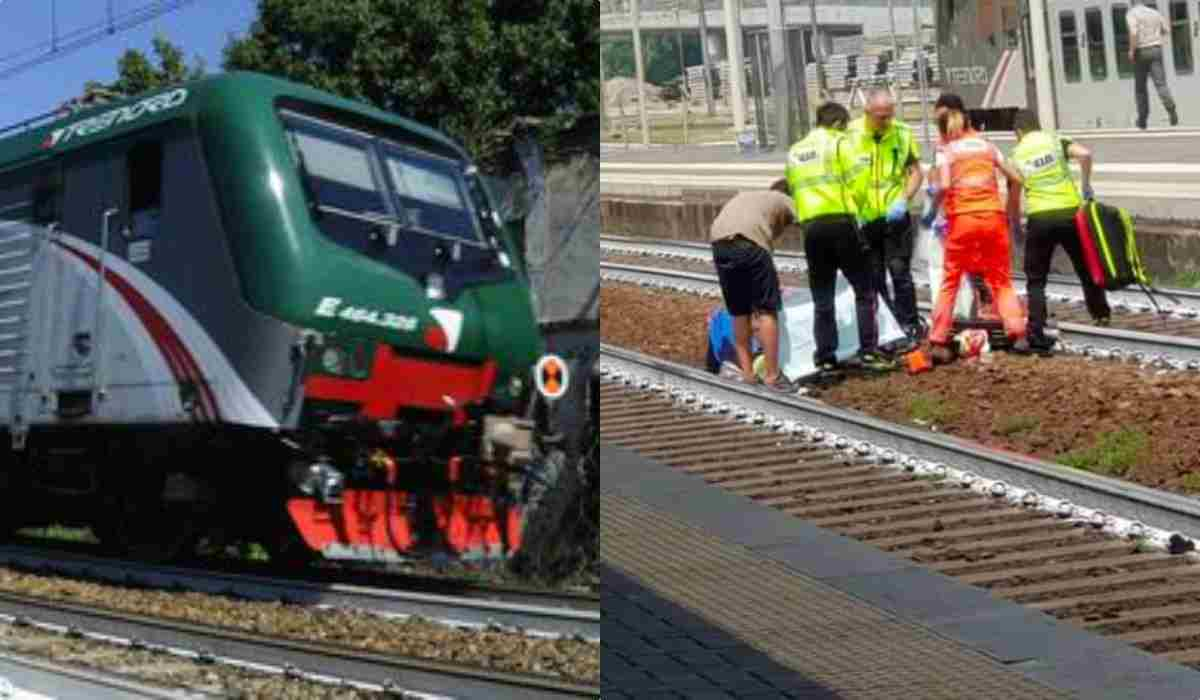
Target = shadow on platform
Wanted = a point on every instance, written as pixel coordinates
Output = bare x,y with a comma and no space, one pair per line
653,648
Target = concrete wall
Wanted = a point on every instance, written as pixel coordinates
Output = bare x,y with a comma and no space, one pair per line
686,216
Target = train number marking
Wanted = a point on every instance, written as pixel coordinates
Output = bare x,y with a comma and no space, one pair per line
331,307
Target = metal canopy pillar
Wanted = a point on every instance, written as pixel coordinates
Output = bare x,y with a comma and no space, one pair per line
919,45
818,52
1047,115
737,75
603,96
641,71
786,132
708,85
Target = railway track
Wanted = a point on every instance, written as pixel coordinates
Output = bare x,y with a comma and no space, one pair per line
314,661
1131,308
1109,556
550,615
1177,351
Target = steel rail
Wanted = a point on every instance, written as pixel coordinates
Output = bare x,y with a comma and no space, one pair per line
789,261
36,678
336,663
1169,351
561,617
1165,511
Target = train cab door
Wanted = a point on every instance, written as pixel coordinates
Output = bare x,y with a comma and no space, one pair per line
77,347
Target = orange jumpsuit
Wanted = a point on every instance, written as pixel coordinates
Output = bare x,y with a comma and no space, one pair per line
977,241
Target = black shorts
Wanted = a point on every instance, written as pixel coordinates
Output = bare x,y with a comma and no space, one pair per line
748,278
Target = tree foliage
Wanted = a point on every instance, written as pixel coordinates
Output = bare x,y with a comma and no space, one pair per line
136,73
468,67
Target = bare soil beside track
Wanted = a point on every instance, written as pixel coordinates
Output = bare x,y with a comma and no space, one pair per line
1115,419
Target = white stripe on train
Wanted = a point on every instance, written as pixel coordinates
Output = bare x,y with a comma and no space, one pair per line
236,402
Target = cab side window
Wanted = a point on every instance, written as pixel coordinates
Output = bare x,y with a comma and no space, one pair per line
144,166
48,196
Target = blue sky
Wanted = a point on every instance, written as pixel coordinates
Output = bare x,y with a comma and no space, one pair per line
199,28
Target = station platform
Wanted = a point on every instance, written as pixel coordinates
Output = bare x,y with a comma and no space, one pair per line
709,595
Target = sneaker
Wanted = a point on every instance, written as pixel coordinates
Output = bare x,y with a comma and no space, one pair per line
1141,124
1174,118
870,362
827,374
781,385
942,354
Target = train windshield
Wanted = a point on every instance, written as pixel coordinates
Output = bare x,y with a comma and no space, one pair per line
398,204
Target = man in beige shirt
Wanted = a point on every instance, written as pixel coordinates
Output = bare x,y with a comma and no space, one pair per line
1147,30
743,237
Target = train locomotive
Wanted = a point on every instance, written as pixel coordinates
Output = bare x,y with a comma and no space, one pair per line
242,309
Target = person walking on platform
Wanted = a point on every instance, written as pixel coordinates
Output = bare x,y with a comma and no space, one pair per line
1147,27
1051,201
964,177
820,170
742,238
889,175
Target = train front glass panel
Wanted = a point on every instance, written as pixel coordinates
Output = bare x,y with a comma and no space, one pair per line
410,209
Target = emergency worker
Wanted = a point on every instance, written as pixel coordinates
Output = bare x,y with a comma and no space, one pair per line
964,178
820,171
1051,201
743,237
888,176
946,102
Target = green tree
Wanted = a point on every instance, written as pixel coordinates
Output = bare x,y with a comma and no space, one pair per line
136,73
467,67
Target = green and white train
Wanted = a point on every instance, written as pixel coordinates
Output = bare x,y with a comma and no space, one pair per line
241,308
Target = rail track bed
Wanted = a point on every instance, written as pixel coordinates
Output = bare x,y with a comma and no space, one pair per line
1121,404
1066,567
485,648
1131,309
534,611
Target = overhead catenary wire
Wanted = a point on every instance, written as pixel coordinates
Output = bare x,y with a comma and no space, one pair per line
60,44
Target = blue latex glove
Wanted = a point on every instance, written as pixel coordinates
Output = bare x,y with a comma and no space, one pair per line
897,211
932,191
940,227
1088,193
928,216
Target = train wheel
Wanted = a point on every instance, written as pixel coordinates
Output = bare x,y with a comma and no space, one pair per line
149,530
289,551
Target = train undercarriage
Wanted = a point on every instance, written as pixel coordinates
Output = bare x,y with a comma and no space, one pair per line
453,487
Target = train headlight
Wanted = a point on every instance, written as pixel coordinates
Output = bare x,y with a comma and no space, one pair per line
319,479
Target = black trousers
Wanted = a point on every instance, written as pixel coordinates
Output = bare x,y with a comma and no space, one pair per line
831,243
891,253
1045,231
